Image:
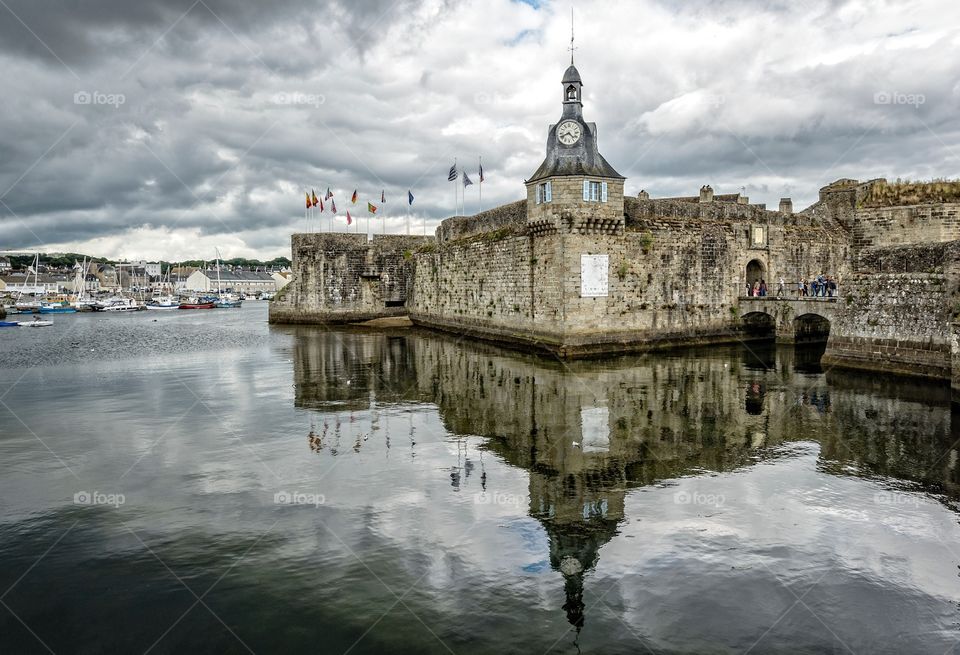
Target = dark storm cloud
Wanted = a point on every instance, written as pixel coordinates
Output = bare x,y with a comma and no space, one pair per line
78,31
231,109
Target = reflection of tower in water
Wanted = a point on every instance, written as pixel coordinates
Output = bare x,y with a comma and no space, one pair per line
580,513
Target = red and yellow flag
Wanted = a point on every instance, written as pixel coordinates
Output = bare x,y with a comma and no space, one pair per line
354,198
308,201
315,201
371,208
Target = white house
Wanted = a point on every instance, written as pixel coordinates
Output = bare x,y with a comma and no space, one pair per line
282,278
235,281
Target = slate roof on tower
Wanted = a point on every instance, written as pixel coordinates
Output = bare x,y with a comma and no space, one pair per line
581,158
572,75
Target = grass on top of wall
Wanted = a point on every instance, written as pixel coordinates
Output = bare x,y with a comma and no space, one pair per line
905,192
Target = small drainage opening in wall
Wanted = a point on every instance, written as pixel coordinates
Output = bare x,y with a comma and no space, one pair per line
395,303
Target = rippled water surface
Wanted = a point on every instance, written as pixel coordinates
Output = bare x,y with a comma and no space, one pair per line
201,482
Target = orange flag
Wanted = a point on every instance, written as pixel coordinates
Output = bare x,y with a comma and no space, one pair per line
315,201
309,204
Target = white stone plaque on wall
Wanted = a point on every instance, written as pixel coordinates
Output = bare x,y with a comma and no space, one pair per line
594,276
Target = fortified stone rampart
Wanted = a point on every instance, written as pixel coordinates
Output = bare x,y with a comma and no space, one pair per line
894,322
462,227
893,226
345,278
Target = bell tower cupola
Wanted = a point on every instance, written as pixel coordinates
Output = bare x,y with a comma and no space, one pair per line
574,189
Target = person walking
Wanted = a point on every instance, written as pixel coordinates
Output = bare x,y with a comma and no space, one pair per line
763,288
780,288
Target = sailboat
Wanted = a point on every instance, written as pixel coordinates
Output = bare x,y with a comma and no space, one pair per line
163,300
119,303
37,289
225,300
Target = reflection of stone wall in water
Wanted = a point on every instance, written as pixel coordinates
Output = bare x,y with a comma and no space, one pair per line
588,432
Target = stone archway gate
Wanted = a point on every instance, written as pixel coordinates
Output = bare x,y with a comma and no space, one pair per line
784,311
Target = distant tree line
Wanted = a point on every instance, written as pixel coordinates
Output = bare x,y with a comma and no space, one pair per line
236,262
59,260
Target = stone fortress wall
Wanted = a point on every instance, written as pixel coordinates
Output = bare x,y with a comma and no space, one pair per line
340,278
676,276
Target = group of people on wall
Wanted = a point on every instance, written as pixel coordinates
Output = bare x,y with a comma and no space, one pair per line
822,286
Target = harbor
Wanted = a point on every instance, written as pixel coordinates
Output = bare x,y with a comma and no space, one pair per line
512,499
93,287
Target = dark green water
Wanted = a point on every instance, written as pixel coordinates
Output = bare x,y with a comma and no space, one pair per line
293,490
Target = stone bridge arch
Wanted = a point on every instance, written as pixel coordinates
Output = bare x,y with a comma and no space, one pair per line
793,321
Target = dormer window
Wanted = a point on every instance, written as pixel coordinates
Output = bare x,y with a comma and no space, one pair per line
571,92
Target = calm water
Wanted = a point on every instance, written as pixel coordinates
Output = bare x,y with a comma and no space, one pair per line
294,490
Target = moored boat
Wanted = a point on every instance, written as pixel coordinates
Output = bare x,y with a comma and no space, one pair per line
62,307
196,303
117,305
228,301
35,323
9,324
163,302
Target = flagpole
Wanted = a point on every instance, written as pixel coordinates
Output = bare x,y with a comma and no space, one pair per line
480,159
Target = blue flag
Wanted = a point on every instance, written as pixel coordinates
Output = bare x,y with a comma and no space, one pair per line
410,197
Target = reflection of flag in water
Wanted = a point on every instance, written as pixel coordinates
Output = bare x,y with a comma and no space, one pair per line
453,173
466,180
349,218
410,197
354,198
371,208
333,206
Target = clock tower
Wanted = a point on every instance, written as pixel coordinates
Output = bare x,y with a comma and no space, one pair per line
574,189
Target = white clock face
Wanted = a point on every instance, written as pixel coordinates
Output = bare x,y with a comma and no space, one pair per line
569,132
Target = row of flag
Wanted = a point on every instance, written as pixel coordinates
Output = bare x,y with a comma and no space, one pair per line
313,201
455,173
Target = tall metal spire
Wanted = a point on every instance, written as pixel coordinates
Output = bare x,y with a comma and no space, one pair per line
572,48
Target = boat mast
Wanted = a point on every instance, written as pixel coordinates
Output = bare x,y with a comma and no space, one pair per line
219,291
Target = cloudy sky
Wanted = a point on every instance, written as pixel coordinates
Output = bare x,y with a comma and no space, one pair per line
165,128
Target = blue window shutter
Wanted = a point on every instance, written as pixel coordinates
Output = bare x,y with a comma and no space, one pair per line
549,191
586,190
538,194
604,192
